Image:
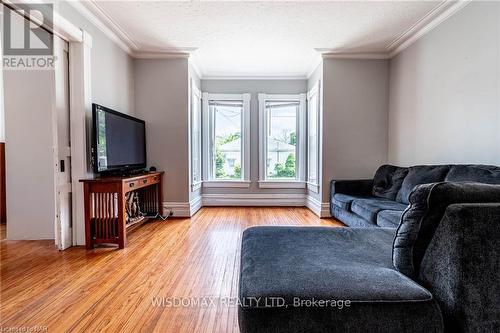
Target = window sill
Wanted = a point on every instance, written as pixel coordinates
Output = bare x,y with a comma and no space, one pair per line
227,183
281,184
313,187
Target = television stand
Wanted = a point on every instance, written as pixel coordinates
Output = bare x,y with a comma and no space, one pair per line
105,206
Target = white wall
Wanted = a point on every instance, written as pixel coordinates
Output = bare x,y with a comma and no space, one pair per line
254,87
445,91
161,99
355,111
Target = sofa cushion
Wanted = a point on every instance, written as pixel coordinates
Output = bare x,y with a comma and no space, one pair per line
350,219
389,218
423,174
388,180
344,200
321,263
369,208
474,173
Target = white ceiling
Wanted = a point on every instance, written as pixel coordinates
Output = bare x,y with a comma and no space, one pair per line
262,38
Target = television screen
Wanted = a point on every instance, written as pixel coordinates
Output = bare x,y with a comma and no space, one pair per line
119,141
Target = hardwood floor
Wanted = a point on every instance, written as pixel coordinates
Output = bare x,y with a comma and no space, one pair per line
113,290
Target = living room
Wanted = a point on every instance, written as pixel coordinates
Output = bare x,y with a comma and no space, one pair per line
241,166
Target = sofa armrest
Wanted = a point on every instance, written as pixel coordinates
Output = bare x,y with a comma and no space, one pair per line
460,267
352,187
428,203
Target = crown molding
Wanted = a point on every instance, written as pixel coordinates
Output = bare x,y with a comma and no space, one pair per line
253,77
161,55
334,54
314,64
96,15
432,19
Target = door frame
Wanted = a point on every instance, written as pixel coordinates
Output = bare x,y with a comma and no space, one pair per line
80,102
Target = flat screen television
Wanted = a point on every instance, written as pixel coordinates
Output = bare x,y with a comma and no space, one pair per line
119,141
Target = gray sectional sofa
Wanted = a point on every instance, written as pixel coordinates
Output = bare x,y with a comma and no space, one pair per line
382,200
437,272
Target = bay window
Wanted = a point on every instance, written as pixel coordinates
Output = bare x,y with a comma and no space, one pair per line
226,140
282,140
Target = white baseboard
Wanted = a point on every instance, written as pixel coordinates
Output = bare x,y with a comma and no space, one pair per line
188,209
317,207
294,200
178,209
195,205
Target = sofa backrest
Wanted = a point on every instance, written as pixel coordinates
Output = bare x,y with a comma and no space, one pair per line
486,174
421,174
387,181
396,183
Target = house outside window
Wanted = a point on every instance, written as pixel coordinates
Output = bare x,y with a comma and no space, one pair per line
226,140
282,140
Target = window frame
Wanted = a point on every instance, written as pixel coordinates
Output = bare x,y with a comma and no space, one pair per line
195,94
299,181
315,92
208,141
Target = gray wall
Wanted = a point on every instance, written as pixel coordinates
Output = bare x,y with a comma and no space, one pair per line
161,99
254,87
112,68
355,111
445,91
29,157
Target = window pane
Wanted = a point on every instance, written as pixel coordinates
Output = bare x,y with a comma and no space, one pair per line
281,139
227,139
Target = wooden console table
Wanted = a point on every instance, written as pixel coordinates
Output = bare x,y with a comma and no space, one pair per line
105,211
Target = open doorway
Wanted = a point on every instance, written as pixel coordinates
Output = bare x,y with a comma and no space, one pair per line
38,147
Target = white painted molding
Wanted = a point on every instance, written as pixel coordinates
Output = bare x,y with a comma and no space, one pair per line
93,12
333,54
436,16
188,209
165,54
178,209
294,200
313,187
322,210
196,186
432,19
281,184
228,76
314,64
195,205
227,183
96,15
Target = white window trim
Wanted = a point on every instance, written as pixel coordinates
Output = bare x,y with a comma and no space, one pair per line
245,137
195,93
299,182
227,183
313,185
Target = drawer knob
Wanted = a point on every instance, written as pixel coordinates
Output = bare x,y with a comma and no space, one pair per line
131,184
